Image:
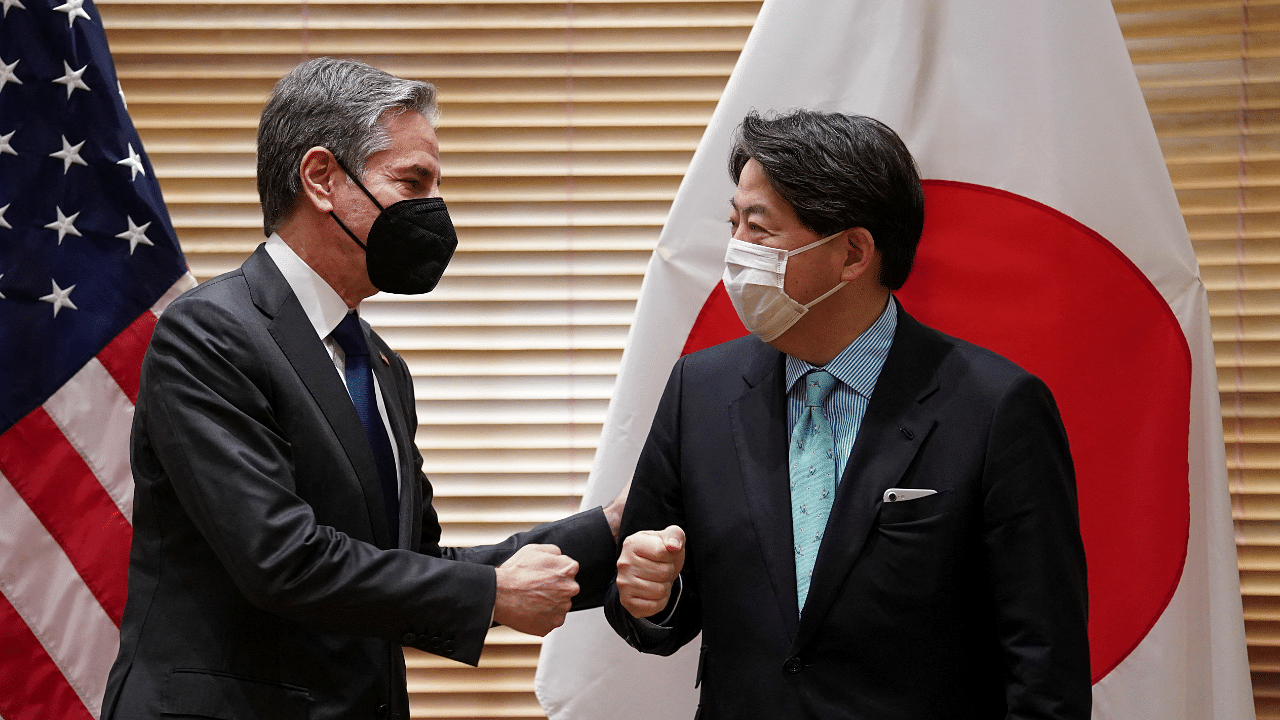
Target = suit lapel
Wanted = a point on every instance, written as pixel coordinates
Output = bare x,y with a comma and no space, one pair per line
895,425
297,339
759,422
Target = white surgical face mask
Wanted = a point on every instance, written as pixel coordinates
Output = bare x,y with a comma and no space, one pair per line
754,276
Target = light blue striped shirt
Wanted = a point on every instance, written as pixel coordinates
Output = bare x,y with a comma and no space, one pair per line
856,369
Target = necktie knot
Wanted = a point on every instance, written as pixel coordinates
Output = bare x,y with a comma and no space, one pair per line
818,385
350,337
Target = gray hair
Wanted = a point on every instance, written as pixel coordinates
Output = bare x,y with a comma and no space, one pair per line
335,104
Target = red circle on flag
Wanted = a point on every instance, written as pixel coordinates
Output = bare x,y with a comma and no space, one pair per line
1020,278
1015,276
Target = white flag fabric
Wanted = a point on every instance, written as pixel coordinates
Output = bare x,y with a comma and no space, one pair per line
1052,236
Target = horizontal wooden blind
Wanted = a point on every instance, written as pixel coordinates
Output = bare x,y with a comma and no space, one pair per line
1209,71
565,130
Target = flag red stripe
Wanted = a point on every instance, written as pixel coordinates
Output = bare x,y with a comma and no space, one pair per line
34,688
122,357
62,491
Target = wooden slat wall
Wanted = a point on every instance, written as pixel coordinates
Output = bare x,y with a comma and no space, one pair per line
566,129
1209,71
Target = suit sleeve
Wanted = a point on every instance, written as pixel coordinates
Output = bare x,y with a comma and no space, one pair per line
1035,558
213,433
584,536
655,502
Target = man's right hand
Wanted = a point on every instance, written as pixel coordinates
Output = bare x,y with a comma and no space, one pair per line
535,589
650,562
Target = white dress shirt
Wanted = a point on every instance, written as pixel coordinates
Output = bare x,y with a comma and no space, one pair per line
325,309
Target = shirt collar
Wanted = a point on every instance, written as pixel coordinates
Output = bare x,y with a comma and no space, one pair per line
858,365
324,307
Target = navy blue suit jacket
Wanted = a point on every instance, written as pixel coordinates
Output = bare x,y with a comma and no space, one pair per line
969,603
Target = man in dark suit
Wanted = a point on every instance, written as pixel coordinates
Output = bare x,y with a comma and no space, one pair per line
864,518
285,546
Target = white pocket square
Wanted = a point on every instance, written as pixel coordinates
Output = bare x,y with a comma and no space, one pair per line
900,494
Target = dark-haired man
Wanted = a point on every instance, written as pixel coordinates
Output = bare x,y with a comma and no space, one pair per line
864,518
284,545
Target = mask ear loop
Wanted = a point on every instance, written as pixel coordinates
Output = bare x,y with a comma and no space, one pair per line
833,290
825,295
360,185
348,231
811,245
369,195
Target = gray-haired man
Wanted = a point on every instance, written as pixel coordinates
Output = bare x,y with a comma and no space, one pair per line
285,545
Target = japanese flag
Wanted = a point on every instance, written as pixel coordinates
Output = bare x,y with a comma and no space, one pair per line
1052,236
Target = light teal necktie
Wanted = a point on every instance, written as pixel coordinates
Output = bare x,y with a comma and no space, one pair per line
813,477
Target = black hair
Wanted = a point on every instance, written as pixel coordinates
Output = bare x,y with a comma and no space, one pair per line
838,172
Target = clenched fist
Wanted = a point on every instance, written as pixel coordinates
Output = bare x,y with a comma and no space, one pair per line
535,589
649,564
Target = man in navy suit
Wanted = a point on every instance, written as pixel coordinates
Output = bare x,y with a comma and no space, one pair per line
285,546
864,518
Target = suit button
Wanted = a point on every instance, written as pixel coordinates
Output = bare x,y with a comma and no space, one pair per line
448,647
408,639
384,711
792,665
434,644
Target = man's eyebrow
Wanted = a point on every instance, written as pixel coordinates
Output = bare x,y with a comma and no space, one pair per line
421,171
750,209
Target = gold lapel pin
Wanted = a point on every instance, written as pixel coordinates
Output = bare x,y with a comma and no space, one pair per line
385,361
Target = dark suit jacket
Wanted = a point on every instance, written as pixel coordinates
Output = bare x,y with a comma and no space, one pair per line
263,579
970,603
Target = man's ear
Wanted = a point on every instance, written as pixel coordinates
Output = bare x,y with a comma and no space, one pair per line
861,255
320,173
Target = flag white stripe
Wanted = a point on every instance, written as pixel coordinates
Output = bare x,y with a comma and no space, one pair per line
185,283
95,416
47,593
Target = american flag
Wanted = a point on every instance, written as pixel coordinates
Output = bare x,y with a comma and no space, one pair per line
88,258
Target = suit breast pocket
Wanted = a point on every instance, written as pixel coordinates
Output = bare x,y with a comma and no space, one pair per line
916,550
918,510
207,694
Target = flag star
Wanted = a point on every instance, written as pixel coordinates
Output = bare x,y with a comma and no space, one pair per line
4,223
1,276
73,9
64,225
72,78
69,154
120,90
60,298
134,161
7,75
135,234
12,3
5,147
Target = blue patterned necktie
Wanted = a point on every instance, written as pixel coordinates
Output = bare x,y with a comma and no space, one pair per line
350,338
813,477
